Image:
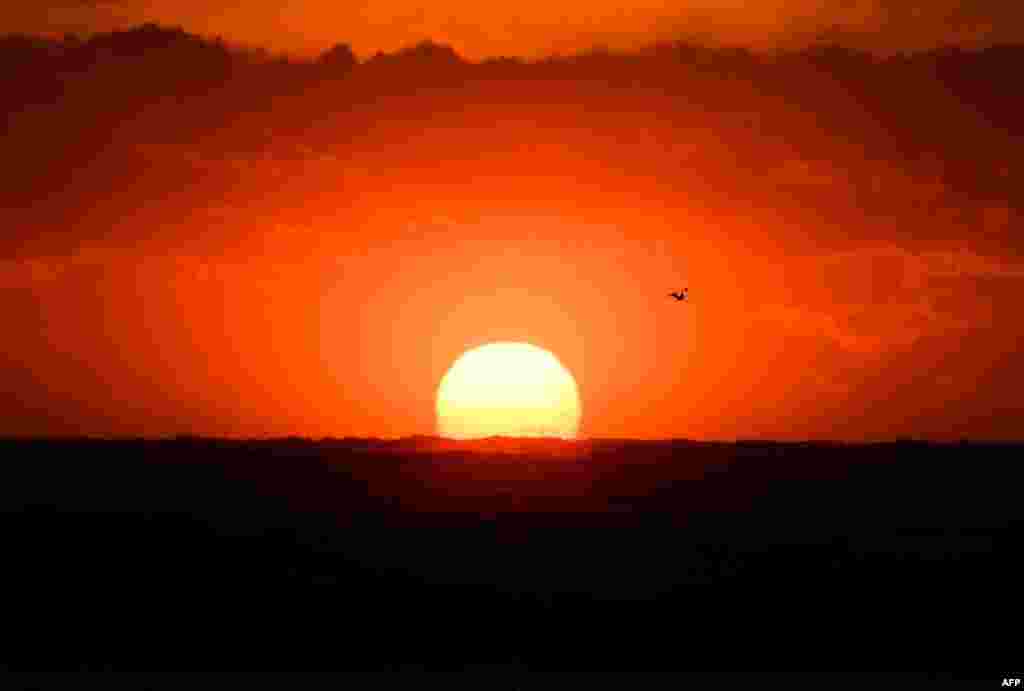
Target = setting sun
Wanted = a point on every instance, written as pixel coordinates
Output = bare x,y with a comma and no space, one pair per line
507,389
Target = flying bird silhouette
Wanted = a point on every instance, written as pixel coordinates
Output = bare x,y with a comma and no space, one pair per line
680,296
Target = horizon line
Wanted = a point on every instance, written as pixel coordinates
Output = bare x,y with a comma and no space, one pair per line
495,438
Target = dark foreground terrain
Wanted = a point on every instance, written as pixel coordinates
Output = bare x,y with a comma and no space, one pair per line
610,555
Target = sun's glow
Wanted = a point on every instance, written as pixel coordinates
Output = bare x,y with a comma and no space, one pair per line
507,389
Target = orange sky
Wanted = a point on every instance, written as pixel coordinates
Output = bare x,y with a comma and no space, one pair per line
536,28
264,260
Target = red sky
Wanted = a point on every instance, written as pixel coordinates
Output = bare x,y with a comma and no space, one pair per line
286,252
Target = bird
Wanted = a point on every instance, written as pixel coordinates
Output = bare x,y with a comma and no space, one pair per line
681,295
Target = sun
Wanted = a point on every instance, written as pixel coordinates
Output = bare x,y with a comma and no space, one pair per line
510,390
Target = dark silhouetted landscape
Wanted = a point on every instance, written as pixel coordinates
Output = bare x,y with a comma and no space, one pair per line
534,554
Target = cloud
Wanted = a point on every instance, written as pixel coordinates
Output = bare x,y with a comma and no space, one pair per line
920,266
92,3
966,264
536,28
876,299
854,331
82,14
805,172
